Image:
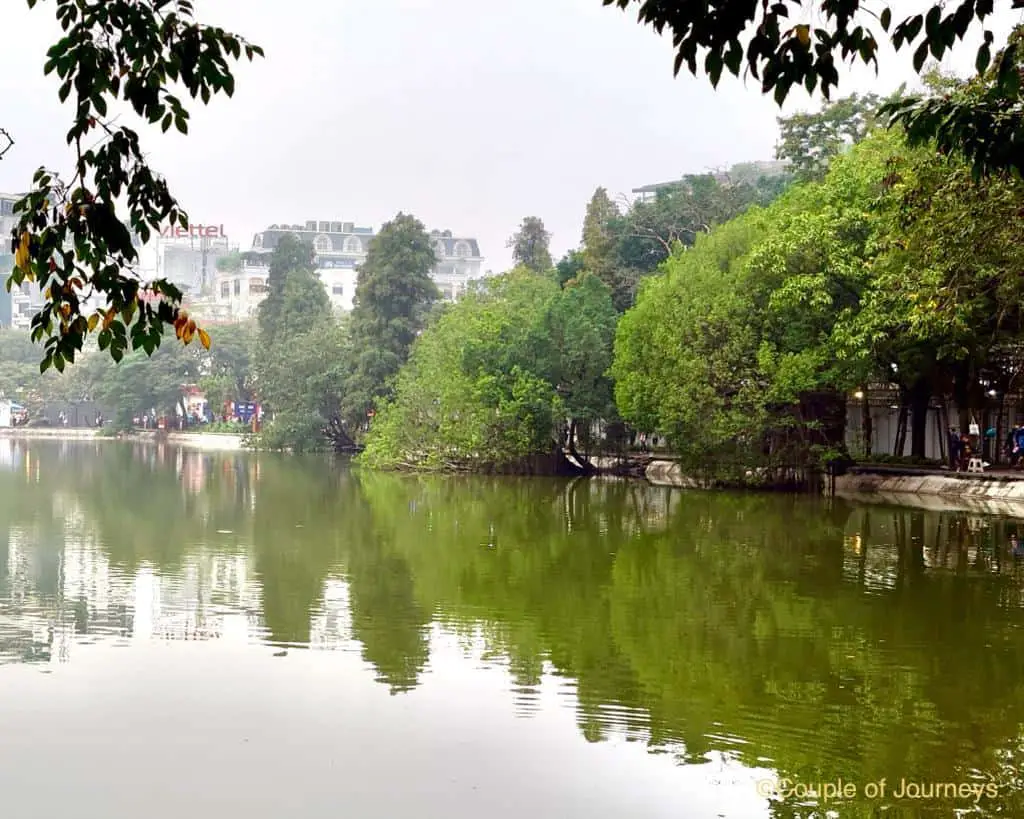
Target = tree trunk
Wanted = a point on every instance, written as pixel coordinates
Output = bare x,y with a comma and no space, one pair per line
865,422
920,397
901,427
580,459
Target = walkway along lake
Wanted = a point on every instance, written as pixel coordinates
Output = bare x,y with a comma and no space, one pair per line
188,633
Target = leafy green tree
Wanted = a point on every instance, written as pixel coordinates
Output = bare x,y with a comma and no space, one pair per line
394,293
290,279
71,237
302,379
981,119
19,369
653,229
226,371
569,267
686,355
599,237
531,245
581,326
230,262
476,392
139,383
301,360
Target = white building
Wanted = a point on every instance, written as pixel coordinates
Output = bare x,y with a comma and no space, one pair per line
187,257
458,263
341,247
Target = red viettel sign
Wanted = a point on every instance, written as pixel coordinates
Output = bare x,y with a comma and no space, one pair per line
195,231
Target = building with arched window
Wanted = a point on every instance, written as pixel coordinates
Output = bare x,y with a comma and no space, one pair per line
458,263
340,248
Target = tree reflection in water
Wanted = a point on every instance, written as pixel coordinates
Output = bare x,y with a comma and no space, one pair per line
823,639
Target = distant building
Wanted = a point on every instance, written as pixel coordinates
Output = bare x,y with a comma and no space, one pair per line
742,172
7,223
18,306
187,257
341,247
239,292
458,263
23,302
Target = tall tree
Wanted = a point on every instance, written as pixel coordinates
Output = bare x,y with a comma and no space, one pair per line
296,296
599,236
71,237
393,294
569,267
531,245
302,381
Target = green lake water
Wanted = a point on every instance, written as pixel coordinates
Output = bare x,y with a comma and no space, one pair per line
186,634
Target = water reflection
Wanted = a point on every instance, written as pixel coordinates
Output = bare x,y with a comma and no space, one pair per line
818,640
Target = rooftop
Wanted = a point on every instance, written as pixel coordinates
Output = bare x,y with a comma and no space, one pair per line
742,171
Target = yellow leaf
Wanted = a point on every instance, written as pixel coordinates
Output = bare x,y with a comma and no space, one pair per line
204,339
21,254
94,319
803,33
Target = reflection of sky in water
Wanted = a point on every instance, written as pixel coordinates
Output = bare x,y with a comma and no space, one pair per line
456,726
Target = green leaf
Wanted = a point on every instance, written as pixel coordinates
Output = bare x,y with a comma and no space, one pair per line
983,59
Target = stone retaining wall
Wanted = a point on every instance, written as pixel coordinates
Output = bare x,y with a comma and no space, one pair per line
994,494
668,473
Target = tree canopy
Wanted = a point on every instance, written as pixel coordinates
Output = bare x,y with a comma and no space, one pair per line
394,291
493,380
531,245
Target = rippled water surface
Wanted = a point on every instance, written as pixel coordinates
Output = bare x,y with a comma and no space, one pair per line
195,635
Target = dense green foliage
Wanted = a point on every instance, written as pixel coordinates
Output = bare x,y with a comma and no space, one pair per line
746,307
895,268
531,245
394,292
491,381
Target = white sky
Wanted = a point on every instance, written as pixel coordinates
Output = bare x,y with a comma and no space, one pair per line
468,119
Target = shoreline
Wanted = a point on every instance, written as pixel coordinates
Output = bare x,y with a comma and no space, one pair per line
998,493
207,441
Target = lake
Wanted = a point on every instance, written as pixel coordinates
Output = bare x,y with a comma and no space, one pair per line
222,635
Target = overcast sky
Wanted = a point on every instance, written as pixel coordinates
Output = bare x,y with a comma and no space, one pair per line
469,120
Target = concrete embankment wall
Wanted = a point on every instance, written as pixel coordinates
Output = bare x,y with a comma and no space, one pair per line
191,440
668,473
984,494
993,494
221,441
50,433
